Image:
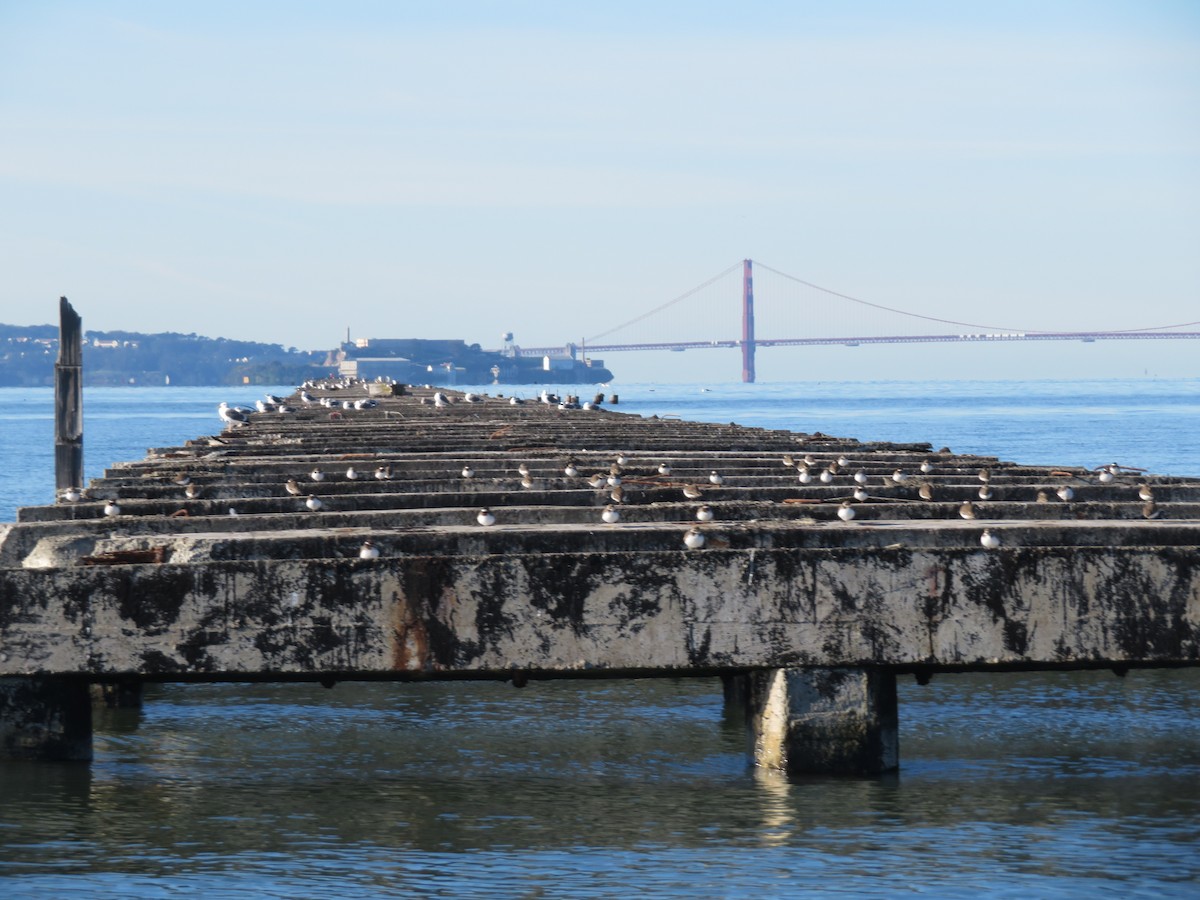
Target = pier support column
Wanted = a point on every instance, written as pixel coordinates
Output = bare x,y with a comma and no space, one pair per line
125,694
824,721
45,718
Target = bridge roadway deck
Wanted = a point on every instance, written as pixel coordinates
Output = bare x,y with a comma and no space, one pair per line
243,581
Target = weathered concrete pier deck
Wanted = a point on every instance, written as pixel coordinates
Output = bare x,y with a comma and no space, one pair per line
209,562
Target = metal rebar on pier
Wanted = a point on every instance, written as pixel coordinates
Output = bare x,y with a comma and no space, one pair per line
225,559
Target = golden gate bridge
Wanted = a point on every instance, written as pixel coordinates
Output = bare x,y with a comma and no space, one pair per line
749,342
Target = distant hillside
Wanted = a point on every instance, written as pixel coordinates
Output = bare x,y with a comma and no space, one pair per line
27,355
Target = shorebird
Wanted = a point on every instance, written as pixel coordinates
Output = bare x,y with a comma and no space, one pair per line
860,477
664,469
181,479
382,473
985,492
967,510
809,459
1105,476
714,477
610,515
523,469
860,493
1145,493
693,540
598,480
485,517
989,540
1149,510
692,492
788,460
899,477
351,473
72,495
1043,497
292,487
1065,493
845,511
313,502
985,475
842,461
927,467
368,550
617,494
705,513
191,491
613,480
805,476
111,508
527,482
571,470
468,472
827,476
622,459
925,491
316,475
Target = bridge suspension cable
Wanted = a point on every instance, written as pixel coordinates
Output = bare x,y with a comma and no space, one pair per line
657,309
903,312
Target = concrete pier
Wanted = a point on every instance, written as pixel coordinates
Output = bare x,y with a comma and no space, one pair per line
46,719
226,559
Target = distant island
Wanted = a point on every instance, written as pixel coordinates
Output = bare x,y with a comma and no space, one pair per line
28,353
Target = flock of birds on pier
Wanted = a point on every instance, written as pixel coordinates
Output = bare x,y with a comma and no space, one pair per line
704,493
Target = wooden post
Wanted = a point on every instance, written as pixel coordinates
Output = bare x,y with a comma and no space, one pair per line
68,400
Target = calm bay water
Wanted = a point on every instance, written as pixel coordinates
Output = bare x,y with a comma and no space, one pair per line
1047,785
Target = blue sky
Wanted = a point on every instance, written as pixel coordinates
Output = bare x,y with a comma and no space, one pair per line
285,171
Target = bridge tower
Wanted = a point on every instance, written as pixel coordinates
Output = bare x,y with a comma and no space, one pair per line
747,322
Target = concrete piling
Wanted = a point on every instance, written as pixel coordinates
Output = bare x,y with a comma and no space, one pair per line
45,719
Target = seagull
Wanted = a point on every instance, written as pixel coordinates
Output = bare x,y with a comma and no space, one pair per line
1065,493
485,517
72,495
292,487
610,515
693,540
111,508
368,550
1145,493
967,510
571,470
715,478
351,473
306,398
989,540
191,491
232,415
985,492
692,492
899,477
664,469
515,401
845,511
468,472
860,493
925,491
313,502
705,513
316,475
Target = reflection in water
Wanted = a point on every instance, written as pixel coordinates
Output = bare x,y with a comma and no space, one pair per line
249,787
